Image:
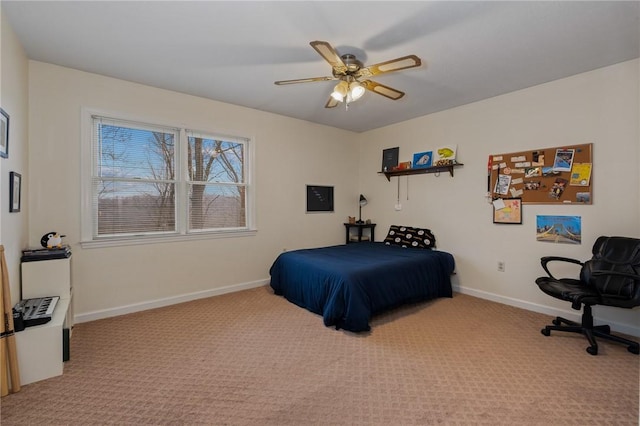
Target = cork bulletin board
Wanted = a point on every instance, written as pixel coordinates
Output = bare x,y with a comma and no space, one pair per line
543,176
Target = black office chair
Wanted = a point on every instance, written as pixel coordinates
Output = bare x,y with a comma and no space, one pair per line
610,278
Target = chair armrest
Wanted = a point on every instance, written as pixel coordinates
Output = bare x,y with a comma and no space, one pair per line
546,259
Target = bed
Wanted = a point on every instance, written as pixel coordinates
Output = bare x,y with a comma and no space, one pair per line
348,284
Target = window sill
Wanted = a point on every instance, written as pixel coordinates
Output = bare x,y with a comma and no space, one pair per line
140,240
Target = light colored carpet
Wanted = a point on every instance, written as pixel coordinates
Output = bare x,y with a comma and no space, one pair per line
252,358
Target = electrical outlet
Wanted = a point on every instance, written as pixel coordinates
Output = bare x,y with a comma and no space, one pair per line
500,265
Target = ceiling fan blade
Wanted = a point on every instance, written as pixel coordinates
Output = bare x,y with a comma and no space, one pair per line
330,55
383,90
304,80
331,103
410,61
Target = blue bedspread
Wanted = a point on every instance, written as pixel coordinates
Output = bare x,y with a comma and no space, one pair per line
347,284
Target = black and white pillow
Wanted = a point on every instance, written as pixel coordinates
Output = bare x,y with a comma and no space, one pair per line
407,236
426,237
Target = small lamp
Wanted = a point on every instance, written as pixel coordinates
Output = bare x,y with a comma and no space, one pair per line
363,202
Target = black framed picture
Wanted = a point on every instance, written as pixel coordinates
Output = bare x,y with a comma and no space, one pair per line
319,198
15,191
390,158
4,134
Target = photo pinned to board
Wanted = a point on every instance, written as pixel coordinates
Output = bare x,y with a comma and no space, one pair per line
563,160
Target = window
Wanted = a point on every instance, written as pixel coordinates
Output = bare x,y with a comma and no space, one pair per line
158,181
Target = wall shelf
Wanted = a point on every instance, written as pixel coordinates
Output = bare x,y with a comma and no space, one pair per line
435,169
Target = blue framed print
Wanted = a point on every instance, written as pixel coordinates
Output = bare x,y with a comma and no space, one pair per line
422,160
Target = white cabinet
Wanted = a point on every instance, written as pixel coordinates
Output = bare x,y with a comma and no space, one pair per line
40,348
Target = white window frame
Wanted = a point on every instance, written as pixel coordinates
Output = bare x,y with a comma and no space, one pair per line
88,237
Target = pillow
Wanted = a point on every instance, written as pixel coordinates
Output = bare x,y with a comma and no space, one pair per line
406,236
426,237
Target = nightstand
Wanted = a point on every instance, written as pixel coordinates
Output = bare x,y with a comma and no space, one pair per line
359,236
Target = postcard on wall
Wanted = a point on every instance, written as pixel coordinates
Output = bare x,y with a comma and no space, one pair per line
559,229
563,160
580,174
502,184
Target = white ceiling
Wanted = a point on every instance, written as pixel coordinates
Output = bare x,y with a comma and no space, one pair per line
234,51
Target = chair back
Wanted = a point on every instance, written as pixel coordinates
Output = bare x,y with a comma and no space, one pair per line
614,271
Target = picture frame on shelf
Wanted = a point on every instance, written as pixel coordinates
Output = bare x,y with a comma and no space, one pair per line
422,160
390,158
507,211
4,134
15,192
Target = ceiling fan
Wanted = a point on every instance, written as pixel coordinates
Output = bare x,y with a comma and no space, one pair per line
353,75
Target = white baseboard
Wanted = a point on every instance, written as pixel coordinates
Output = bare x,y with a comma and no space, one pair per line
158,303
570,315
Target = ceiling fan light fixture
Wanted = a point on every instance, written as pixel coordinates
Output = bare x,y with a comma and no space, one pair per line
340,91
356,90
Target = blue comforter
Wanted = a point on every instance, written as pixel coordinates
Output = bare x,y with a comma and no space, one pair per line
348,284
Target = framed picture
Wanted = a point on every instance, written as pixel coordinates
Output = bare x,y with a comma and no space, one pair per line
507,210
15,191
422,160
390,158
319,198
4,134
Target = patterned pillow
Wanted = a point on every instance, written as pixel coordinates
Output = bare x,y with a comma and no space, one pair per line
426,237
406,236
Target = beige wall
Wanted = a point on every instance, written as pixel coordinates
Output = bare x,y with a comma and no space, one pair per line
13,100
599,107
289,154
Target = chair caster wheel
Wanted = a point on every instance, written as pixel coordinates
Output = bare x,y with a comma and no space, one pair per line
545,332
634,349
556,321
593,350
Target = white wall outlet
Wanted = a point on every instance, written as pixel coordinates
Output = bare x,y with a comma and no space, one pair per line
500,265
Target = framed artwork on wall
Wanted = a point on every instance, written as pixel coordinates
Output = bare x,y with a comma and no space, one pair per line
4,134
507,210
319,199
15,191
